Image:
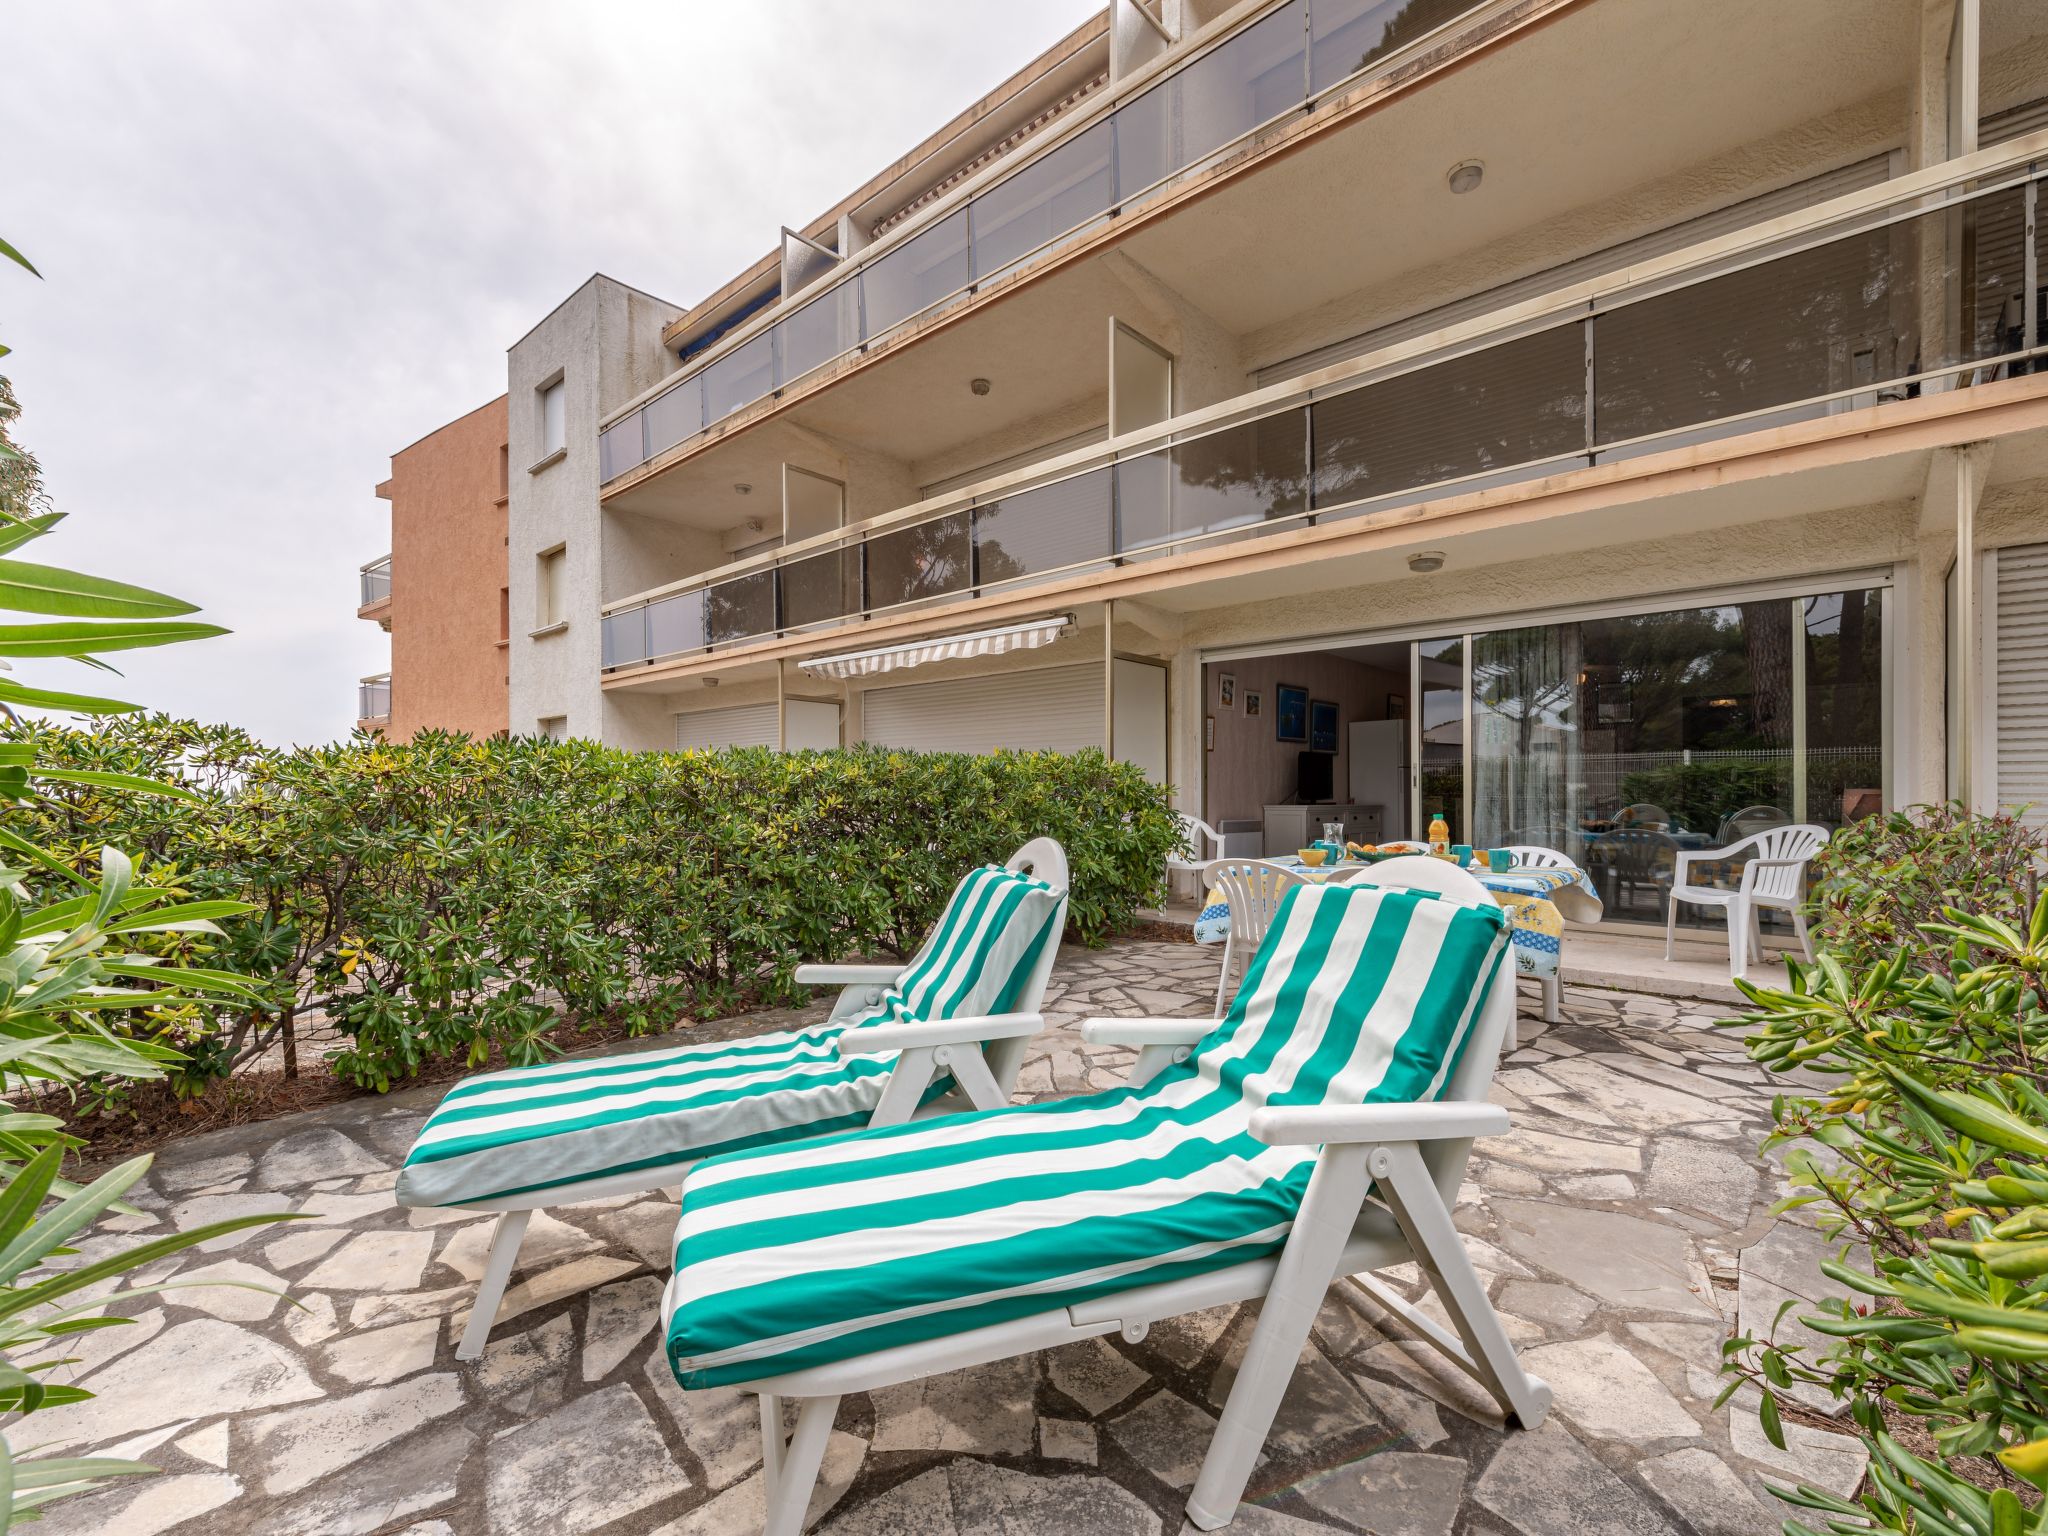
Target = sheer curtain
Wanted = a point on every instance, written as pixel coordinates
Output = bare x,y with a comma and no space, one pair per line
1525,758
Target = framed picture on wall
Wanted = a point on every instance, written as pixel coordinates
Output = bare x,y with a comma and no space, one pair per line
1254,704
1290,713
1397,706
1322,725
1209,733
1226,690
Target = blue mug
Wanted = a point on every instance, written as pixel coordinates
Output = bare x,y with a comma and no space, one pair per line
1500,860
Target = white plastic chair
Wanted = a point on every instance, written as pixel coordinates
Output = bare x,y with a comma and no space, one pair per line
1773,876
1197,834
1750,820
1253,888
1529,856
983,1054
1385,1183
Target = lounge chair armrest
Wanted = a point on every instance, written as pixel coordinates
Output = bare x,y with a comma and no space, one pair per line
913,1033
1142,1032
846,975
1288,1125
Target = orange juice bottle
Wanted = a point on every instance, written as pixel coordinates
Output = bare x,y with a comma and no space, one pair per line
1439,834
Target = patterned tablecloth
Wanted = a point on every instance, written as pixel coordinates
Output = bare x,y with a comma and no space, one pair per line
1537,903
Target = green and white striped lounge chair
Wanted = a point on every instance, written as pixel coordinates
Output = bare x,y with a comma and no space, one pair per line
963,1009
1320,1130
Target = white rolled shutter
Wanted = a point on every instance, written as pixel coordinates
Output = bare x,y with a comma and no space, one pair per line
1055,709
743,725
2022,680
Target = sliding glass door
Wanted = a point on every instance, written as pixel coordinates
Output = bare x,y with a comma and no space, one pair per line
1626,740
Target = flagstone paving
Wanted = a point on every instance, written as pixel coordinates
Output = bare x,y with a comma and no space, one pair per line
1610,1224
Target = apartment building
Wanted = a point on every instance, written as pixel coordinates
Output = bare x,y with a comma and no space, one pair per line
441,594
1541,412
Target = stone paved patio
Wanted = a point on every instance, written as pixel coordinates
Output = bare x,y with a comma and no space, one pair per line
1612,1223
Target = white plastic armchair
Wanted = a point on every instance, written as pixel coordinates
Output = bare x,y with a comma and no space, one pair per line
1253,889
1774,875
1198,835
1530,856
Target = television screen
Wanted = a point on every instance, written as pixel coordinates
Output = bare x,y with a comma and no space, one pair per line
1313,783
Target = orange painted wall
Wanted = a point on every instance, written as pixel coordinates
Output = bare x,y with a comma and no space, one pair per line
447,494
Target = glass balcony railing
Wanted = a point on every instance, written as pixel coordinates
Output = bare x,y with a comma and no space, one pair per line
373,698
376,583
1824,319
1278,64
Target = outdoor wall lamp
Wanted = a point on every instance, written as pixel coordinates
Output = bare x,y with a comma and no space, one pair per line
1466,175
1423,561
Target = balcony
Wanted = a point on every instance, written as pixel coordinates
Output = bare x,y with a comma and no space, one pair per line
1274,66
373,699
1911,288
374,594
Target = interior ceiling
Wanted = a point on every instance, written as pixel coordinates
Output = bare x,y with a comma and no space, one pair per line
1650,88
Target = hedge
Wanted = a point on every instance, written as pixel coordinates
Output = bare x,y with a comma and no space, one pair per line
454,897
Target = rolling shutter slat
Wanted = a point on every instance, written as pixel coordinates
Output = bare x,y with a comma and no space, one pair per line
743,725
1057,709
2023,680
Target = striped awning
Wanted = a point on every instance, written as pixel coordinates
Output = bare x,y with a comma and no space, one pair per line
915,653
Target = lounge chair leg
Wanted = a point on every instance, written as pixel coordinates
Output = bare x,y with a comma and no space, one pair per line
1308,1264
970,1071
1403,1181
908,1080
511,1232
773,1443
794,1473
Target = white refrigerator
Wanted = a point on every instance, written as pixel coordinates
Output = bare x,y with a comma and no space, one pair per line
1377,762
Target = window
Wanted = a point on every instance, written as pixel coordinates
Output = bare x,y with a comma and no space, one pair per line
554,421
550,599
554,728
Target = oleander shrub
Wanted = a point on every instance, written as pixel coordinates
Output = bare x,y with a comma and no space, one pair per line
1925,1159
454,898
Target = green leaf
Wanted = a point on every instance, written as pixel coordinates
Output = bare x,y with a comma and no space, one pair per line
85,637
76,703
26,588
23,1195
1767,1415
177,918
17,258
28,1245
21,845
16,533
132,782
76,1469
14,1303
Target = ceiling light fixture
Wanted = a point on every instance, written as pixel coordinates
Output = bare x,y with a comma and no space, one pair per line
1422,562
1466,175
980,386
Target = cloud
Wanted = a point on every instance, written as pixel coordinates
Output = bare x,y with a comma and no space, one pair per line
280,242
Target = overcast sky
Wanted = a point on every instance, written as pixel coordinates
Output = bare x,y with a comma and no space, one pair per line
280,242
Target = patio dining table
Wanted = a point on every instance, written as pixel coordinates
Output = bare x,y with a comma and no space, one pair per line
1537,901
